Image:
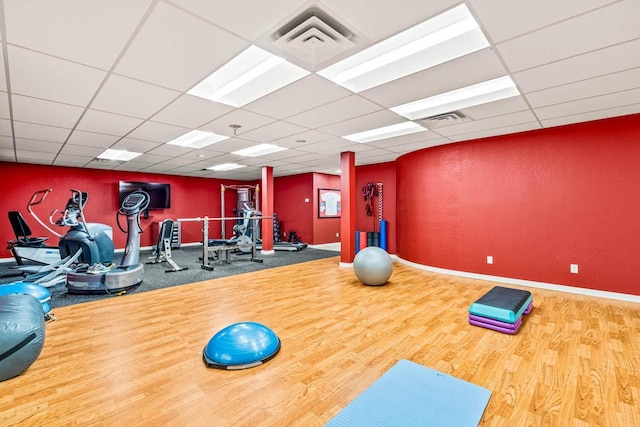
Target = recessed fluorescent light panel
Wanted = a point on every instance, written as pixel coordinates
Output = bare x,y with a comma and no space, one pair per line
249,76
259,150
197,139
385,132
481,93
442,38
226,167
119,155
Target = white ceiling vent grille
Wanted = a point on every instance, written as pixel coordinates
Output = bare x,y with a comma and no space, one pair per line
313,37
445,119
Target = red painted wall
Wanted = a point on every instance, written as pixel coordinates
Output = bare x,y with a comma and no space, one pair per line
190,197
536,201
325,230
384,173
294,214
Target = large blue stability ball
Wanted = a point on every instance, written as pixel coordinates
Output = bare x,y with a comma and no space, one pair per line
22,333
240,346
373,266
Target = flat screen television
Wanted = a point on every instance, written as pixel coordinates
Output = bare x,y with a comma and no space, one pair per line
160,193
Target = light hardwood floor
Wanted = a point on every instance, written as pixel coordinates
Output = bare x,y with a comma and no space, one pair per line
137,359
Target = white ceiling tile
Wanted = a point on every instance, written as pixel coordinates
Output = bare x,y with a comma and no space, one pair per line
81,151
302,95
330,146
246,119
7,155
44,112
247,18
404,139
497,108
6,142
464,71
604,27
603,102
3,76
89,32
4,105
592,115
488,124
40,132
158,132
360,124
72,160
91,139
177,50
177,161
133,98
385,18
167,150
110,124
34,145
300,139
131,166
102,164
191,112
505,19
342,109
38,157
419,145
605,61
522,127
135,145
615,82
273,131
151,158
43,76
5,128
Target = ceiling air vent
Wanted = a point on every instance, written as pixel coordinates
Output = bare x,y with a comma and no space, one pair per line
313,37
445,119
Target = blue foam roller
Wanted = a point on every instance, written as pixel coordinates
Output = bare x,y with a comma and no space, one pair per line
383,234
357,241
240,346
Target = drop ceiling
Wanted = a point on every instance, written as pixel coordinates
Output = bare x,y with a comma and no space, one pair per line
79,77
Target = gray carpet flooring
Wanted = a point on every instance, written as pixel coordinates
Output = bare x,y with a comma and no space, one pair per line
155,276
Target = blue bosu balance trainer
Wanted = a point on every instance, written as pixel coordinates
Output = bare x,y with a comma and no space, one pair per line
240,346
501,309
42,294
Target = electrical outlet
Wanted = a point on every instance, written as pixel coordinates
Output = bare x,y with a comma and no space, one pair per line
337,234
573,268
306,200
489,259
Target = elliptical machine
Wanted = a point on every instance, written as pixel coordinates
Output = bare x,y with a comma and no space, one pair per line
100,278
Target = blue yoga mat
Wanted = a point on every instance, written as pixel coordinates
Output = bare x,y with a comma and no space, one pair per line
410,394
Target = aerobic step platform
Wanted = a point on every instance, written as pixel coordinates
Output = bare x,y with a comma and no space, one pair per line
502,304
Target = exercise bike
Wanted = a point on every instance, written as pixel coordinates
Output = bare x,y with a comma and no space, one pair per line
101,278
27,248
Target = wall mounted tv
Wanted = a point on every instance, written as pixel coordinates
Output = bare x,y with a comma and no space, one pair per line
160,193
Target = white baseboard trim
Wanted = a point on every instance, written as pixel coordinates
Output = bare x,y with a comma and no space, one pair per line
346,264
522,282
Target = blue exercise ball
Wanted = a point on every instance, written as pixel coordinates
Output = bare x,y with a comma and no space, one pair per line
22,333
373,266
240,346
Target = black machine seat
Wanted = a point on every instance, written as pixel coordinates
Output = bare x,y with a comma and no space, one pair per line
23,232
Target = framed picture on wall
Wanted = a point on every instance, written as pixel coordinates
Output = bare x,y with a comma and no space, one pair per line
328,203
